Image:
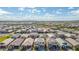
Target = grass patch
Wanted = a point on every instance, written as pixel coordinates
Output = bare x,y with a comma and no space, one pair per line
4,37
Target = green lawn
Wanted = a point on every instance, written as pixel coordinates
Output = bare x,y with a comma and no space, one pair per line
2,38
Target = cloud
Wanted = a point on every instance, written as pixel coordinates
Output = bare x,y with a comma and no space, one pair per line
2,12
45,17
43,9
75,12
71,8
58,12
21,8
29,10
48,15
35,11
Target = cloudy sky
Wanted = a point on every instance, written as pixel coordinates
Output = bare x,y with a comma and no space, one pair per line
39,13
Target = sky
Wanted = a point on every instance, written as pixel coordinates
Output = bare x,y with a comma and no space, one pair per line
39,13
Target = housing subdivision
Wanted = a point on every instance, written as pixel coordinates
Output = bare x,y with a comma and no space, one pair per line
39,36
